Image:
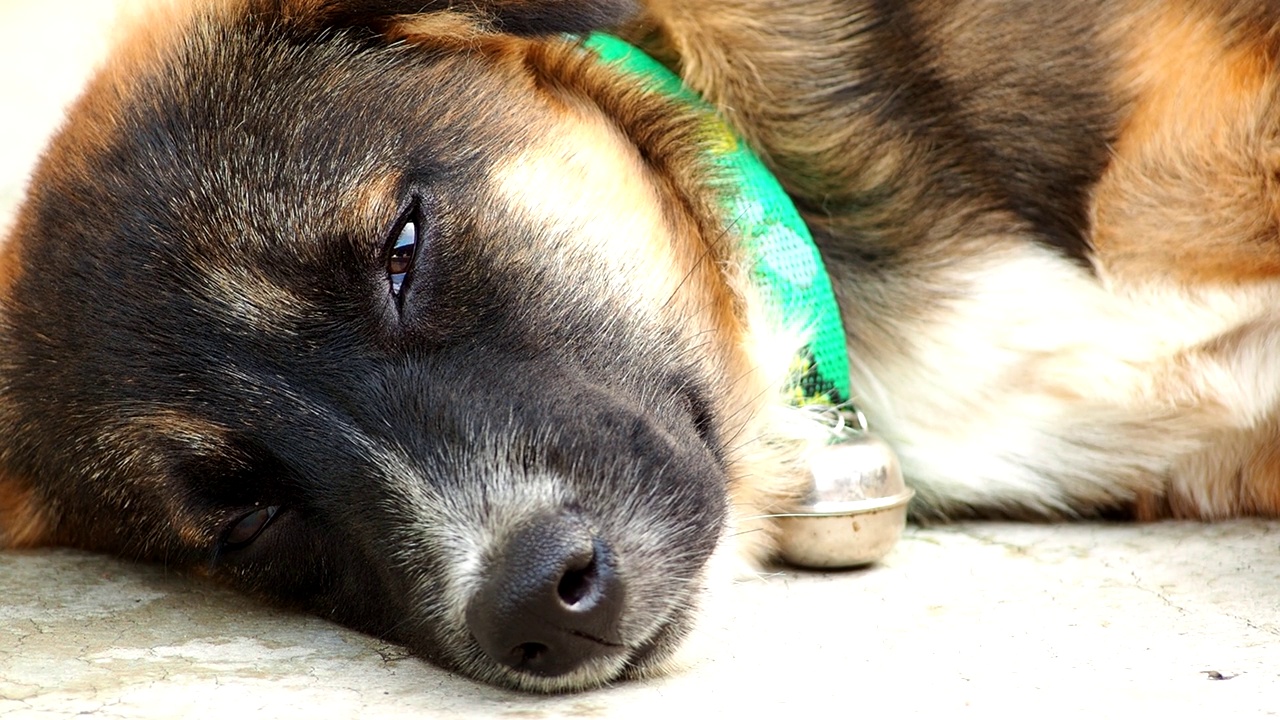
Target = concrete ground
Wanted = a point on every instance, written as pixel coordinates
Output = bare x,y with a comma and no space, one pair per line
986,620
981,620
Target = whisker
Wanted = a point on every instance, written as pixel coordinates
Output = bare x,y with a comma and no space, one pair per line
706,252
702,257
746,421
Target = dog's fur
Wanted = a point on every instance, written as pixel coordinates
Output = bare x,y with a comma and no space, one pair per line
1052,228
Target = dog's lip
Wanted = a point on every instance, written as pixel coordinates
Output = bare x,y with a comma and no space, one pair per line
617,646
598,640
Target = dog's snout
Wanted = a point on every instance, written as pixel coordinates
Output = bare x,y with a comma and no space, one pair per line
551,601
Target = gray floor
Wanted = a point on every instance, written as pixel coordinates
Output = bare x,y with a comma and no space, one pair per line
989,620
984,620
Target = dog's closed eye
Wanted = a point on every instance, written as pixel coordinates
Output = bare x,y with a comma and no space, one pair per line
245,529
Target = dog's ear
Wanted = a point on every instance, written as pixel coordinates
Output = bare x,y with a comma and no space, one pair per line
519,17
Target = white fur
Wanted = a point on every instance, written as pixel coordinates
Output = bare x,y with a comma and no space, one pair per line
1039,387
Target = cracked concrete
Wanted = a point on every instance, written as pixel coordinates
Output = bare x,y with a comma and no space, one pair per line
987,620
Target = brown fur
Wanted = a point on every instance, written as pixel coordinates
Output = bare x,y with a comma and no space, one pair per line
9,270
1191,191
24,521
1260,482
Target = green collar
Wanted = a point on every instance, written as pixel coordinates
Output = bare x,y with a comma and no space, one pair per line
787,267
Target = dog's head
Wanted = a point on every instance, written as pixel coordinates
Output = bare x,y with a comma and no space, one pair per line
415,318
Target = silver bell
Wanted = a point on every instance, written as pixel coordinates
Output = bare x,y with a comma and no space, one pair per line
857,508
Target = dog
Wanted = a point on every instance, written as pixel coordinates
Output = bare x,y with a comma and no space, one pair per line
420,317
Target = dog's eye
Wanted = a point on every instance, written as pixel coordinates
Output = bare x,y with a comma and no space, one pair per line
400,257
249,526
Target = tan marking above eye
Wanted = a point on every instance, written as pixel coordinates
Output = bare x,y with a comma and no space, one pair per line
590,191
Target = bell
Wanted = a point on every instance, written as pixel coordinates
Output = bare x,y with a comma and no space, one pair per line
856,509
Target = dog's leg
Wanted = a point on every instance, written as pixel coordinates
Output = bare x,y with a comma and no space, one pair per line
1189,209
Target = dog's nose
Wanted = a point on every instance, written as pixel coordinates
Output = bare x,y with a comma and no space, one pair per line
551,601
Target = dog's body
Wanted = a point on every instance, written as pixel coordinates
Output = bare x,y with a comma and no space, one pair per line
955,167
432,324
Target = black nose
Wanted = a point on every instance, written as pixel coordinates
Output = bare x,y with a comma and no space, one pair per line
551,601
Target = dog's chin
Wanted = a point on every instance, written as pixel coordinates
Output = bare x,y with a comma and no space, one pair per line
597,673
655,657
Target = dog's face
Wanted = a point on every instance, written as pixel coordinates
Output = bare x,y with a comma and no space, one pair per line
395,319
